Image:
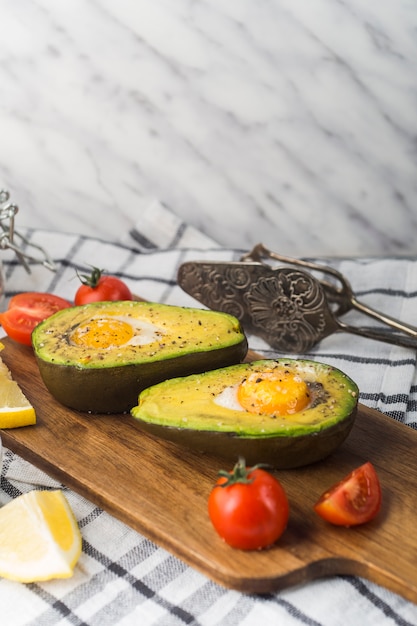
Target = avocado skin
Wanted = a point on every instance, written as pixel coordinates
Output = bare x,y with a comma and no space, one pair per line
113,387
277,452
296,447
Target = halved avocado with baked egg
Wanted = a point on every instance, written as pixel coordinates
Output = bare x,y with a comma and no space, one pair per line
98,357
285,412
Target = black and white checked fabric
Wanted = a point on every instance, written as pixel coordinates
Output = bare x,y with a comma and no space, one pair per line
123,578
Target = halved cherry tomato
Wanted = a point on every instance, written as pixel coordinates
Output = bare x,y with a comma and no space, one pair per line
26,310
248,507
356,499
98,288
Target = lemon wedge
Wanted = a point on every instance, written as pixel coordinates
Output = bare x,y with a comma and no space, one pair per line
15,408
39,537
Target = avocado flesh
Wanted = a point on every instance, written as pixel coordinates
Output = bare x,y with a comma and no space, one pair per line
169,341
183,410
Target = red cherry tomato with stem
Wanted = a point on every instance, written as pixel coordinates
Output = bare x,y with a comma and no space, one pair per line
248,507
26,310
98,288
356,499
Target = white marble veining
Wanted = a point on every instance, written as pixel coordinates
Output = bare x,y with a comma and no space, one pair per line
289,122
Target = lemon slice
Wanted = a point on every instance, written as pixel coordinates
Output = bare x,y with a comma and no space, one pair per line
15,408
39,537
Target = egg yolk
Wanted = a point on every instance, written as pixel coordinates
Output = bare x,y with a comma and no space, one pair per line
273,393
102,333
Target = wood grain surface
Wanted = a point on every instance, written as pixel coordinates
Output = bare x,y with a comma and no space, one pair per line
161,490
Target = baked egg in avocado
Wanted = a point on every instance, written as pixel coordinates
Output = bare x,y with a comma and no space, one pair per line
98,357
285,412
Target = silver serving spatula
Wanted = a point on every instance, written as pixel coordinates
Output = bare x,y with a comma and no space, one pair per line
288,307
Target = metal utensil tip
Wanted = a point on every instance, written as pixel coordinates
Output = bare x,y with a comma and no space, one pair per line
11,239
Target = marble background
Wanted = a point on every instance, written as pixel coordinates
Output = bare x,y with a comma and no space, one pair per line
290,122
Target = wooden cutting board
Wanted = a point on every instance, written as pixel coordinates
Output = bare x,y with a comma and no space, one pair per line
161,490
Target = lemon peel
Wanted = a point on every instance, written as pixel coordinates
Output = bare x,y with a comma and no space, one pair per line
15,408
39,537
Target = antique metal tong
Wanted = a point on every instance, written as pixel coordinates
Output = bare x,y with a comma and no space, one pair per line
11,238
286,305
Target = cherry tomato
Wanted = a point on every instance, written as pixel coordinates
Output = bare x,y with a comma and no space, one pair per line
356,499
248,507
99,288
26,310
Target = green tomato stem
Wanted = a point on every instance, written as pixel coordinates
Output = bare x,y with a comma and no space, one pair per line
91,280
239,474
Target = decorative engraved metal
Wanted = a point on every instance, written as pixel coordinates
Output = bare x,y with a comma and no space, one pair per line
287,306
289,309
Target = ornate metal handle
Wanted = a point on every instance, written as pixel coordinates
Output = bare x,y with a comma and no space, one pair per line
8,236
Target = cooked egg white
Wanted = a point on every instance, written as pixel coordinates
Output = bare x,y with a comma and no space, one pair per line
228,399
115,331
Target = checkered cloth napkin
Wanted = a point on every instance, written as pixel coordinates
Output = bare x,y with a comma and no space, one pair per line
123,578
